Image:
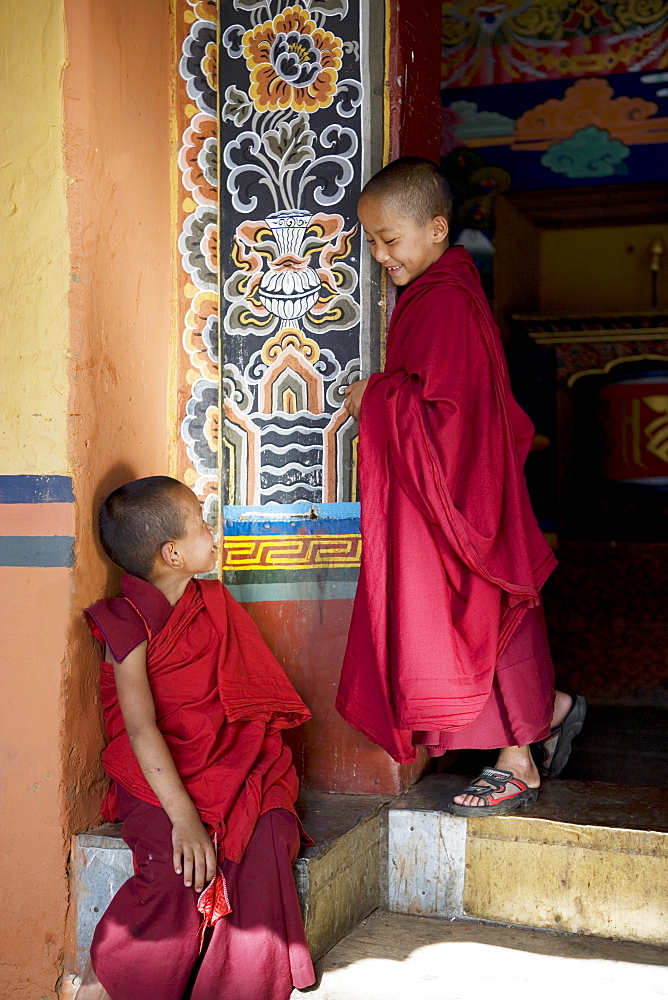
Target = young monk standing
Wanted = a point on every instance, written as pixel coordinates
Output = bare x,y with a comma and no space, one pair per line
447,645
194,704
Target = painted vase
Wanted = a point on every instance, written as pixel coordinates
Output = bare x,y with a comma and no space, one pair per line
291,286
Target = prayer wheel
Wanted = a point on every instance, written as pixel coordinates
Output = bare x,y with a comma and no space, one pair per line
633,414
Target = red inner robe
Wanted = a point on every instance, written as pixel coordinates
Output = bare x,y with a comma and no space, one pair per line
453,557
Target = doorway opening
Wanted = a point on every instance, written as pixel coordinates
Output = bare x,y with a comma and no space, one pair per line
586,331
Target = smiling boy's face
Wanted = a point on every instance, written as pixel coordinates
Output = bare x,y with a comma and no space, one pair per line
400,244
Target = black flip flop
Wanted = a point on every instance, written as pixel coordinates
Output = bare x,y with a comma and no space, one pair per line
557,746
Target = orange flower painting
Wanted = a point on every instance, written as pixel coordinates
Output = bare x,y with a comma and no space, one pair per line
293,63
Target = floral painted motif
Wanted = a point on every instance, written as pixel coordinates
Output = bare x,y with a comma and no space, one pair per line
199,373
290,121
198,160
293,63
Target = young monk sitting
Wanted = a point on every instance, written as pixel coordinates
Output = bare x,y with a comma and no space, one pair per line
194,704
447,644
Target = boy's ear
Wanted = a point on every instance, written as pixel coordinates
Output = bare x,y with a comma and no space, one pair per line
441,228
170,554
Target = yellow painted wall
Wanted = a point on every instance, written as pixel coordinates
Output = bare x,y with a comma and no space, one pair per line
606,269
34,271
34,601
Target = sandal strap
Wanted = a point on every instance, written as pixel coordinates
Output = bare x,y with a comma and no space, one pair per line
498,780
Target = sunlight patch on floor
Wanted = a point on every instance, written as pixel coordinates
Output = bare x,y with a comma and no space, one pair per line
386,961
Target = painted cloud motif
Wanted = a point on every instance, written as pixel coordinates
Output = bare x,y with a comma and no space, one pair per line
475,124
589,152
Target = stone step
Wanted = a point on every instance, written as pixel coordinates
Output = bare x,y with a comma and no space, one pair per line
589,858
337,879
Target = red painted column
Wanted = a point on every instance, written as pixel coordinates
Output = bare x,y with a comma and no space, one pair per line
309,639
415,78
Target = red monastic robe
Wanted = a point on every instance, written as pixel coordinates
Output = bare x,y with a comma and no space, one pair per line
452,554
221,701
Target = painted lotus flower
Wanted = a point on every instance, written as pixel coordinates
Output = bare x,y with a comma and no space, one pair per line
293,63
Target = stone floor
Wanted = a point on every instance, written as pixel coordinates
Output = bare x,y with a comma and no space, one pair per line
396,957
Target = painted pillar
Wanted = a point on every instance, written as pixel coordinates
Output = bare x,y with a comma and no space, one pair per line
302,126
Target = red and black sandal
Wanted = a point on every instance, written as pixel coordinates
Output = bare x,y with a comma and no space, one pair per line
504,794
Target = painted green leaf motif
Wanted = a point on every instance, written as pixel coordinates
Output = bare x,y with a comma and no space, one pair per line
237,107
291,144
346,277
343,313
312,245
330,8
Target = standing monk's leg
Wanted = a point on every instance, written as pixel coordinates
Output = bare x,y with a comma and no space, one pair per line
519,760
524,689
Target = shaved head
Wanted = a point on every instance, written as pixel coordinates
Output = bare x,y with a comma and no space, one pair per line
416,188
138,518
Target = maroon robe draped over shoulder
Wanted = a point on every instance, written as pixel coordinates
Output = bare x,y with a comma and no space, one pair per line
452,554
221,700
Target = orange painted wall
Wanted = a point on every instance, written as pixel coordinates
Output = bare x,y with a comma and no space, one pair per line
118,155
34,610
103,70
119,149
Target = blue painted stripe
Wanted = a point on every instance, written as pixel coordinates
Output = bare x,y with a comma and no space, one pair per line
36,489
38,551
329,591
286,511
293,519
235,529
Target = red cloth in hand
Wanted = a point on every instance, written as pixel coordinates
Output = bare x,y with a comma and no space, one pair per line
214,901
452,554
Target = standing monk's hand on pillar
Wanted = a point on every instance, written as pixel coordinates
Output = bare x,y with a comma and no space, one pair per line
354,394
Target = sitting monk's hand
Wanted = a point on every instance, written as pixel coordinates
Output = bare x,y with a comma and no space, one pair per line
353,400
194,855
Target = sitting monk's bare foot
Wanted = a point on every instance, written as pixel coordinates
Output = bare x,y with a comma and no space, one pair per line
91,988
